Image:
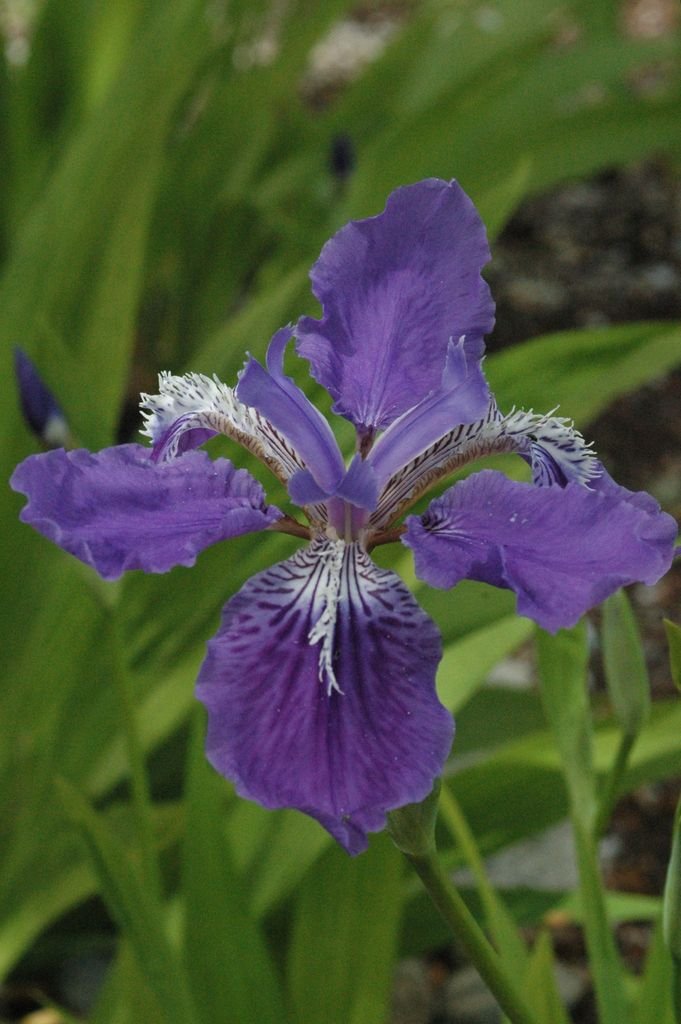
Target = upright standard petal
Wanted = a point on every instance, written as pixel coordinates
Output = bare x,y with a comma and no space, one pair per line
395,289
117,509
320,690
562,550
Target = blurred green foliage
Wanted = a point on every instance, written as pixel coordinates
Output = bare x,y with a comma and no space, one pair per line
166,187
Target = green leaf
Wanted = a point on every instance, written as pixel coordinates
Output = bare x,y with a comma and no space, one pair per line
533,95
48,888
348,913
293,846
498,203
70,291
674,641
654,1003
253,326
540,983
627,680
467,662
110,30
625,668
517,790
584,370
228,963
605,965
562,667
500,924
132,907
621,906
496,715
125,995
73,282
671,906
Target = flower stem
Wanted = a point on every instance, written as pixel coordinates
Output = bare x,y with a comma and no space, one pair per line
470,936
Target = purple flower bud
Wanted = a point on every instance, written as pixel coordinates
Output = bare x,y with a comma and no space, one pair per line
41,410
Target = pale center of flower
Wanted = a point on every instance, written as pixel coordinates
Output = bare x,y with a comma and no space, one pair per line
330,555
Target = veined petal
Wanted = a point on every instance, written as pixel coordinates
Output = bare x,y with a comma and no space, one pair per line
562,550
280,401
395,289
320,689
557,453
117,509
188,410
463,397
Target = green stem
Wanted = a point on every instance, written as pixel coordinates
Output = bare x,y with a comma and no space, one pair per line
608,797
142,806
470,936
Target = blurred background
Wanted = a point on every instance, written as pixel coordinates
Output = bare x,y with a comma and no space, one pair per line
169,171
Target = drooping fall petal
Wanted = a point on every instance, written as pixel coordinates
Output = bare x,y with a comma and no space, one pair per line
117,509
320,689
561,550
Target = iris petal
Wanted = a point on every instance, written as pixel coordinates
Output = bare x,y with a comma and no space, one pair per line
463,397
320,689
562,550
395,289
281,402
117,509
557,453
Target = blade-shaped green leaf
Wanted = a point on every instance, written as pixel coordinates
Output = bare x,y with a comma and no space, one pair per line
348,912
50,886
562,667
89,226
125,995
292,847
500,924
671,911
467,662
70,290
674,641
629,688
654,1001
228,962
585,370
625,668
540,983
132,907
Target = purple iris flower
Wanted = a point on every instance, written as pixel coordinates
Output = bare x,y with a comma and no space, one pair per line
320,683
